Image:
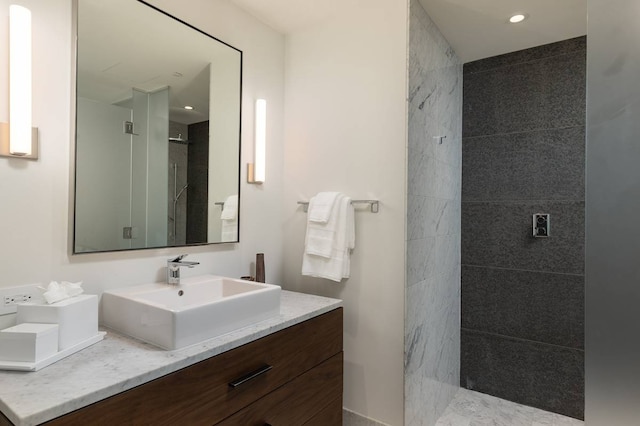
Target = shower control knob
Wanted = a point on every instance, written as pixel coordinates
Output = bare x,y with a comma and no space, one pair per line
541,225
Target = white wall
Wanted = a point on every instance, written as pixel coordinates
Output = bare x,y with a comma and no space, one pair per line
345,131
223,128
34,207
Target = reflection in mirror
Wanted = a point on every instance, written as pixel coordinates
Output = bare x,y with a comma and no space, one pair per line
157,131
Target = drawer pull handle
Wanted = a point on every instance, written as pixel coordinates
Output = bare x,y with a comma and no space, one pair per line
250,376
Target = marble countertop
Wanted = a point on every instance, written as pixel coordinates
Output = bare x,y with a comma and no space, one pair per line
119,363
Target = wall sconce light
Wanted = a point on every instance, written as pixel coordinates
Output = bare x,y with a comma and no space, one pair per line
17,138
256,170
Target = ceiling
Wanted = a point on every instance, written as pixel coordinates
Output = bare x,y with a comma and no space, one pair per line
149,52
479,28
290,16
475,28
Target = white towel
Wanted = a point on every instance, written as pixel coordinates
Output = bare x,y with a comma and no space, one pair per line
321,205
229,216
335,265
320,236
229,232
230,208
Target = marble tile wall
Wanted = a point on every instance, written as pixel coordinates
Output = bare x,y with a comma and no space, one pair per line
432,323
523,298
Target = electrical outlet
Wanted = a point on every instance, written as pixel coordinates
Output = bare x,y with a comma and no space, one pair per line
10,297
16,298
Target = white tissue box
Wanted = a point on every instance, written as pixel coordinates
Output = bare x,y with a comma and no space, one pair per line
28,342
77,318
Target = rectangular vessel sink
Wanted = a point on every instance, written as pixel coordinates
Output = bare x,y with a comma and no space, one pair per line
198,309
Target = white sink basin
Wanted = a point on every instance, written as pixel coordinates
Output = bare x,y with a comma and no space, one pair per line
200,308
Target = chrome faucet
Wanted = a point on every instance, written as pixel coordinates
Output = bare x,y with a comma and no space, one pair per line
173,269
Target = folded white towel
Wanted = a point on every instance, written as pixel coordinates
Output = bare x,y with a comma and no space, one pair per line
335,265
229,232
320,237
230,208
321,205
229,216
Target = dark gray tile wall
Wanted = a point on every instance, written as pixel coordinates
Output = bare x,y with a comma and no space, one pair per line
178,155
527,55
198,178
548,93
538,306
522,297
499,234
528,372
510,163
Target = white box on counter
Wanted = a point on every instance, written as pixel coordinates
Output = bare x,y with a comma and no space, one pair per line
28,342
77,318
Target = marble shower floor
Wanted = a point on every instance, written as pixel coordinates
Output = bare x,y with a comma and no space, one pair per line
470,408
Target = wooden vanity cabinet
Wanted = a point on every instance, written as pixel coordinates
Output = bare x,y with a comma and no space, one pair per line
303,385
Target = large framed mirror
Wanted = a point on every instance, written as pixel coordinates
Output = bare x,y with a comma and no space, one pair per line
157,146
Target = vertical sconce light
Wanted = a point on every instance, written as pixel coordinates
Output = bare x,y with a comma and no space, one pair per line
256,170
18,139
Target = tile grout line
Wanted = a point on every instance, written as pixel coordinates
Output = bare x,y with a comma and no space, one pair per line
470,265
512,201
521,339
523,131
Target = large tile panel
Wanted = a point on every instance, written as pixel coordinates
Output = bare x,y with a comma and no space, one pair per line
199,144
421,259
432,318
428,217
527,55
545,94
544,307
432,349
544,376
538,165
499,235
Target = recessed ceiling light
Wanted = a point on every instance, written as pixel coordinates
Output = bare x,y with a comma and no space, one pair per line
517,18
188,107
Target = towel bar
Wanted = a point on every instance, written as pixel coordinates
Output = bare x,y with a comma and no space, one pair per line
373,204
219,203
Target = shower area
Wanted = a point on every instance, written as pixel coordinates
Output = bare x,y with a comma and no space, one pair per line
188,184
494,314
154,166
121,161
523,153
178,183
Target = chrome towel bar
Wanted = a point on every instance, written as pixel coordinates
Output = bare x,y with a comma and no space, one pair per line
373,204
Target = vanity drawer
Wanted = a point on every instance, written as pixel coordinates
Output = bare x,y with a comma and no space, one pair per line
201,393
297,402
